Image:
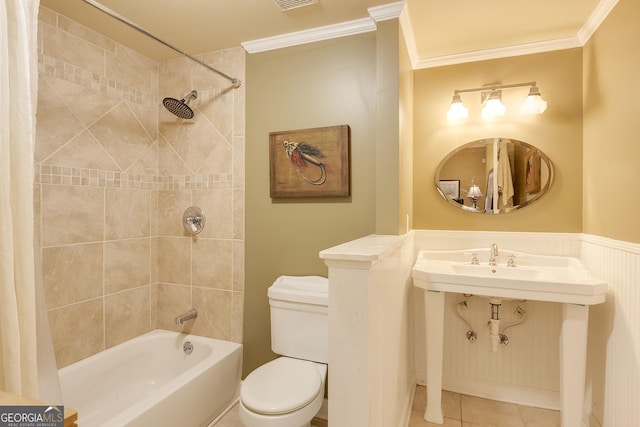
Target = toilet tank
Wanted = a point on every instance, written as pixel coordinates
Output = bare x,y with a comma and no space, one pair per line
299,317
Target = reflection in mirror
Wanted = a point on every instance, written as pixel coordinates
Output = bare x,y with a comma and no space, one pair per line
494,175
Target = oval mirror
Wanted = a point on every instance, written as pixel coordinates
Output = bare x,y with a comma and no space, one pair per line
494,175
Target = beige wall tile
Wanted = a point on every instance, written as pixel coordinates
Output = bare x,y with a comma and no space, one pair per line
127,264
127,315
122,135
218,109
72,273
173,300
148,279
154,214
55,123
72,214
147,113
219,159
196,140
238,162
237,315
131,68
127,213
87,104
77,331
153,260
238,213
214,313
85,33
83,151
47,16
212,263
170,163
171,207
174,260
238,265
218,206
58,43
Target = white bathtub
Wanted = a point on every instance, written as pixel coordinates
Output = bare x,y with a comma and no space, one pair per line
150,381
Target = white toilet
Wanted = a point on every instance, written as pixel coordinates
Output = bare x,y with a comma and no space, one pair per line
288,391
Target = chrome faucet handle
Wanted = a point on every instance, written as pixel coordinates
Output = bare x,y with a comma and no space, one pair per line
474,258
512,261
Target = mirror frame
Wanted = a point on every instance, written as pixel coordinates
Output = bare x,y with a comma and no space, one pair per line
544,188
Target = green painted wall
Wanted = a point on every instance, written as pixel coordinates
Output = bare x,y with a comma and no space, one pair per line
328,83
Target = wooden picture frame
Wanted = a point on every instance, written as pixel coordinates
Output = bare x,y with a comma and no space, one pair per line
532,172
310,162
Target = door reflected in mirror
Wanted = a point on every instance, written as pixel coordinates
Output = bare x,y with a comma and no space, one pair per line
494,175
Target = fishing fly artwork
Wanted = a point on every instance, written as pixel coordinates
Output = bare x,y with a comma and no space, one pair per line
310,162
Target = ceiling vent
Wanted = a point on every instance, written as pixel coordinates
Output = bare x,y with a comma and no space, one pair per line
285,5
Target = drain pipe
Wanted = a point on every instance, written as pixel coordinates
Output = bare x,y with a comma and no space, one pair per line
494,323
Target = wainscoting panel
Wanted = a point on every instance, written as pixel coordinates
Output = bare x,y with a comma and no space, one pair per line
613,362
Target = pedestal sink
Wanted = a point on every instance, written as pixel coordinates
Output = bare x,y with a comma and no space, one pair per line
514,275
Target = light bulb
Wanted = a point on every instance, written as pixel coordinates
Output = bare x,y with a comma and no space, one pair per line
457,110
493,108
534,104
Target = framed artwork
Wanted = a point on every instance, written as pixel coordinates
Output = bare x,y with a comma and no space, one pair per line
450,188
532,171
310,162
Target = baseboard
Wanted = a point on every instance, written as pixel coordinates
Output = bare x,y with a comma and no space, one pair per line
502,392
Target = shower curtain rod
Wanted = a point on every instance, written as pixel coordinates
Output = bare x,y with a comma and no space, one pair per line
236,83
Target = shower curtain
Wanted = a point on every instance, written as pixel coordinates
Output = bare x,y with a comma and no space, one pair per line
18,100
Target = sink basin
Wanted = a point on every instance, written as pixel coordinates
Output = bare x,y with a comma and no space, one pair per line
533,277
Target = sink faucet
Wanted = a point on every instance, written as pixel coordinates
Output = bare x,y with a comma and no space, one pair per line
494,254
191,314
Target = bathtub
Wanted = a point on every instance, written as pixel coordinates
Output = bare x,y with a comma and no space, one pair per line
151,381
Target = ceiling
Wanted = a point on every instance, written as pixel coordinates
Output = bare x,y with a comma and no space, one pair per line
440,32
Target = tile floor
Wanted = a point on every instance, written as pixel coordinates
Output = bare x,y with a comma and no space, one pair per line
460,411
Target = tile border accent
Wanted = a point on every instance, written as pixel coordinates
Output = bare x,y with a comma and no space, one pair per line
64,175
52,67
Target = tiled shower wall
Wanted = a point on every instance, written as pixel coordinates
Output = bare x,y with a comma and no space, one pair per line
115,172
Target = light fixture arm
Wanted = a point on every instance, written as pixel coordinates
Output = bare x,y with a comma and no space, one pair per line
491,97
493,87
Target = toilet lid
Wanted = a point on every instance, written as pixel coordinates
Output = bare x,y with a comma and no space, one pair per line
281,386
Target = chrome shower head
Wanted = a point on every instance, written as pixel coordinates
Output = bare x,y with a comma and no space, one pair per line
180,107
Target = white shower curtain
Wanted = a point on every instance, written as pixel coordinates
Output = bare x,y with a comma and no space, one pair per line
18,100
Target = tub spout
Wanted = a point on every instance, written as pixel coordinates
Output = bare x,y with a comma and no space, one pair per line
191,314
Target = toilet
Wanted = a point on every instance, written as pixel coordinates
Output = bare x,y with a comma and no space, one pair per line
289,391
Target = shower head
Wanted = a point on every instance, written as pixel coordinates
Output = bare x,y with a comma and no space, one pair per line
180,107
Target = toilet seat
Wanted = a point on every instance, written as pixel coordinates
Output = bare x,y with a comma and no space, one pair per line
281,386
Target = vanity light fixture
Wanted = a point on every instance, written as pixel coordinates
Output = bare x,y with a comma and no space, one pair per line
491,97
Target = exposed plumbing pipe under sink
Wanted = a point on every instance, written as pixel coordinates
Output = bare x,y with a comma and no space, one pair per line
494,323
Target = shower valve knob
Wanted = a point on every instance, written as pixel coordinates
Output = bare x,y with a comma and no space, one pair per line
193,220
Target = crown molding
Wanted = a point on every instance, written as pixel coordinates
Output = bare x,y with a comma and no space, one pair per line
598,16
500,52
343,29
409,35
399,10
386,11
